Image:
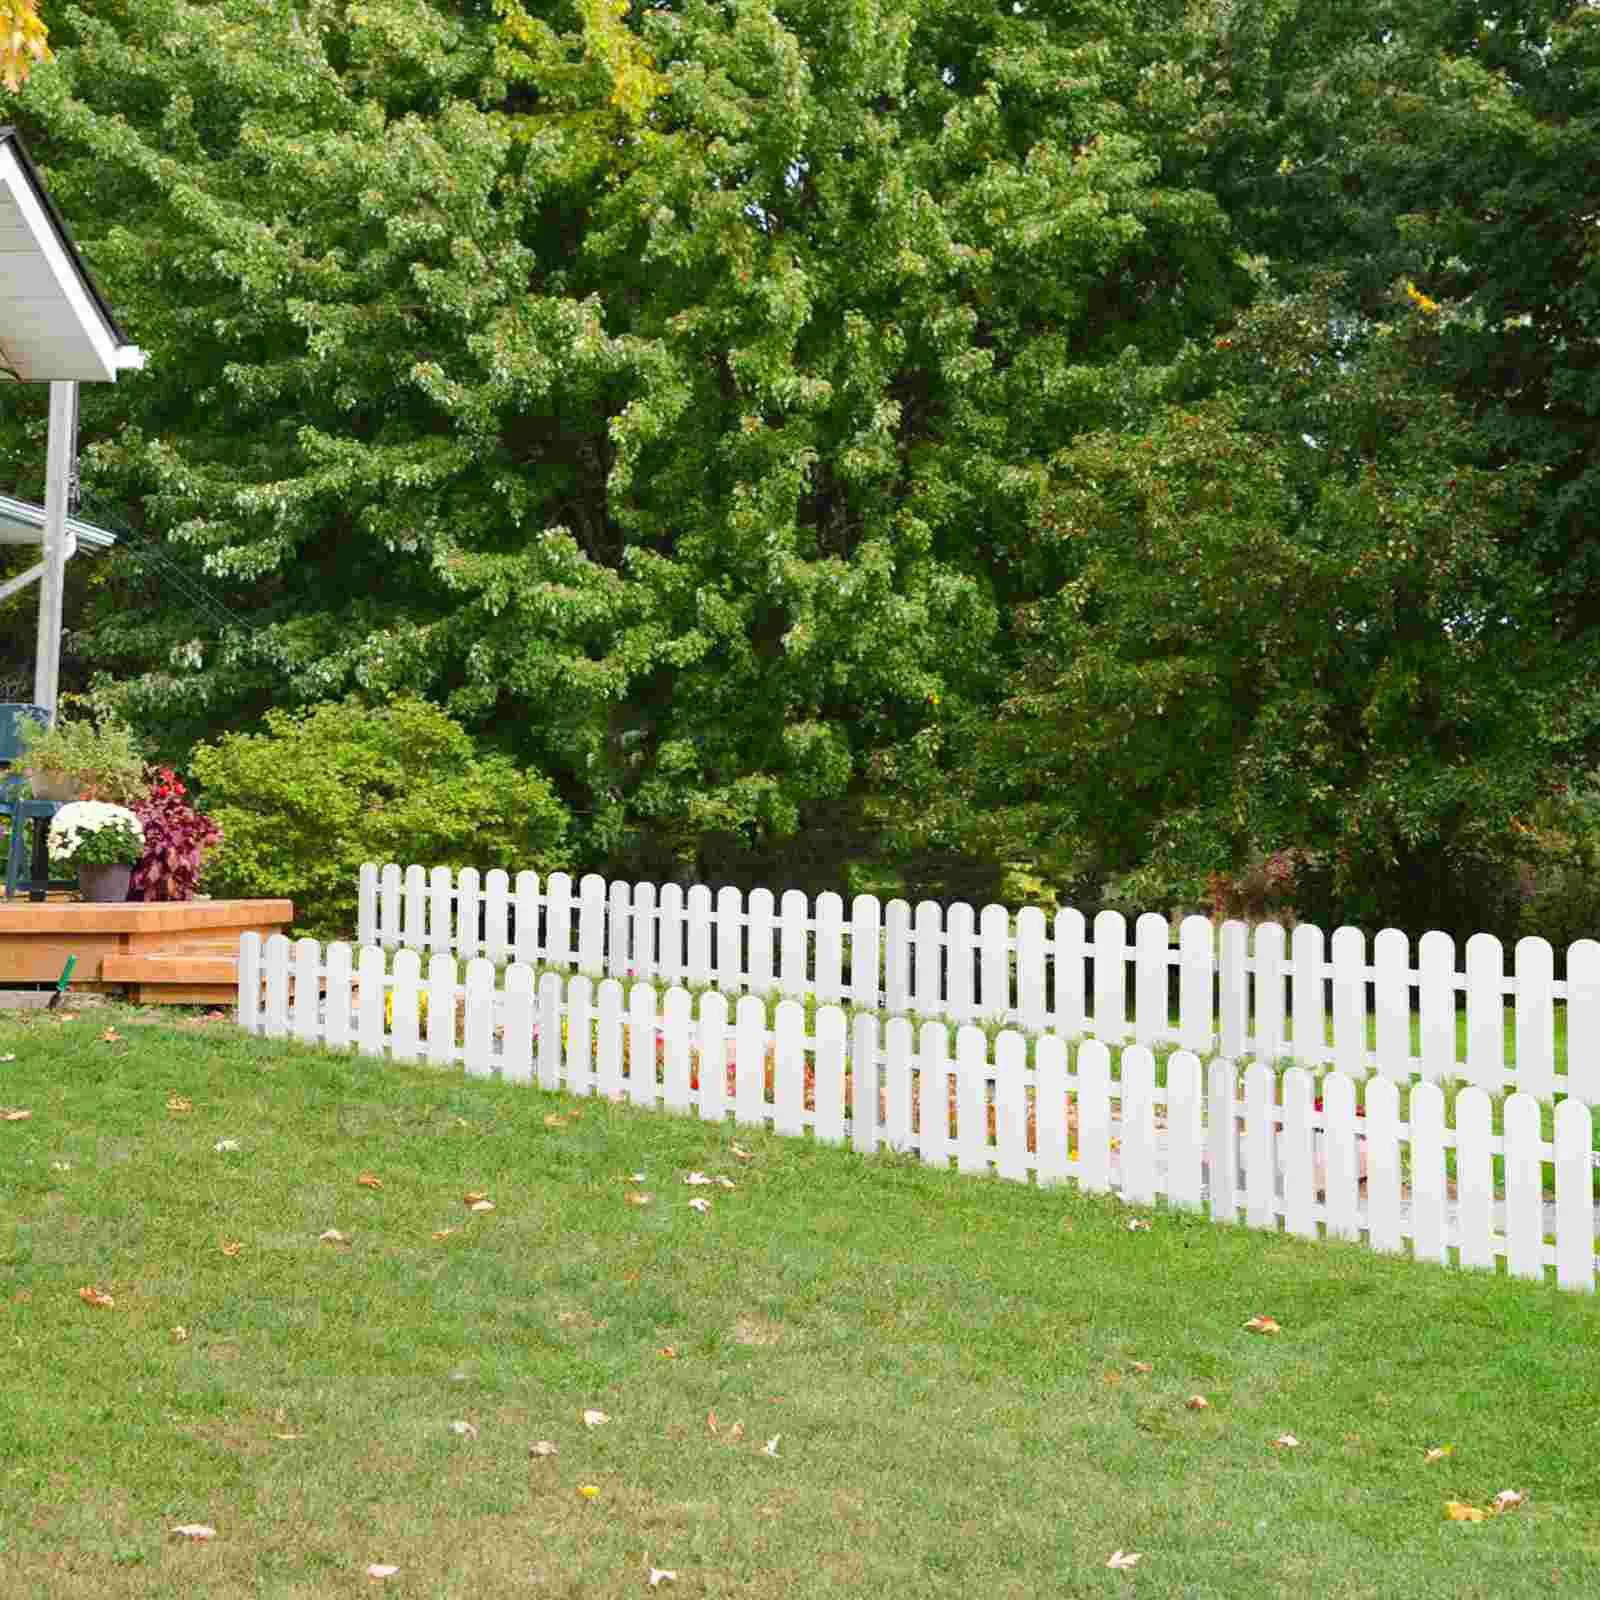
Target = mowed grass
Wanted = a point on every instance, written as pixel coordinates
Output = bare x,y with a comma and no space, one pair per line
948,1363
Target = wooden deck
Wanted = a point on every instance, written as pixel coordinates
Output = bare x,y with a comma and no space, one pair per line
175,953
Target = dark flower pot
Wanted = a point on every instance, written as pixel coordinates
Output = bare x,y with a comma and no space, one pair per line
107,882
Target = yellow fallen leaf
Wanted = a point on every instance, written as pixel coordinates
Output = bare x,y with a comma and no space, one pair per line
95,1297
588,1490
1138,1225
194,1530
661,1575
736,1431
180,1103
743,1155
472,1198
1198,1402
370,1180
637,1197
333,1236
286,1437
231,1247
110,1036
1507,1498
180,1335
542,1447
1124,1560
553,1121
696,1178
726,1183
700,1205
670,1351
481,1205
1438,1453
1456,1512
443,1233
14,1114
1262,1325
634,1177
593,1419
1286,1441
1143,1368
711,1422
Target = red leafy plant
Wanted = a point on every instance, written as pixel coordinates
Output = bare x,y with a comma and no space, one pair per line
177,840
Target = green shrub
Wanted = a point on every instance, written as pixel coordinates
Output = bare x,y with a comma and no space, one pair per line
304,804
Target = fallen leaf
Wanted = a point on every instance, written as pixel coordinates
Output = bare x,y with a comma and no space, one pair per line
14,1114
1507,1498
1124,1561
231,1247
634,1177
286,1437
1197,1402
1286,1441
180,1102
194,1530
588,1490
333,1236
736,1431
1262,1325
481,1205
669,1351
369,1180
1143,1368
1111,1375
726,1183
639,1198
554,1121
711,1422
11,1057
1138,1225
222,1146
180,1335
443,1233
69,1016
474,1197
111,1036
1456,1512
542,1447
743,1155
464,1430
95,1297
700,1205
1438,1453
696,1178
770,1448
61,1166
379,1569
660,1575
593,1419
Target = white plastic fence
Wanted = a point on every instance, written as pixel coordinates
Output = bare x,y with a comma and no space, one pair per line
1266,996
1021,1107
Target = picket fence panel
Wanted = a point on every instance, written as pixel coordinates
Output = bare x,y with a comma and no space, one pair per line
1265,998
1287,1150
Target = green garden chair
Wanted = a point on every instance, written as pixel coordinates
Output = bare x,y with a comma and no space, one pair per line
19,811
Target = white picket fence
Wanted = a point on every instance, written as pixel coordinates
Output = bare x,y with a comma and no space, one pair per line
1263,997
1197,1141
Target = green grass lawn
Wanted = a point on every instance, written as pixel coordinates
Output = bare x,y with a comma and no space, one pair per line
951,1366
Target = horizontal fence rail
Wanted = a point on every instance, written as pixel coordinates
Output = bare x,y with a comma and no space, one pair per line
1308,1154
1267,996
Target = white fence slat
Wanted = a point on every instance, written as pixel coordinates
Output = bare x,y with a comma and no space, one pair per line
828,1096
669,911
1222,1140
750,1061
1436,1003
591,925
935,1093
712,1068
579,1040
441,1008
497,915
1341,1156
1260,1140
1295,1146
338,1027
1583,1020
678,1027
1137,1091
1052,1145
405,999
558,949
1486,1012
369,1006
525,914
792,919
367,904
1429,1229
927,992
642,1024
1524,1188
275,1002
619,924
1150,936
960,927
830,948
1094,1117
441,938
1031,968
1185,1133
789,1068
608,1033
1196,973
698,904
478,1027
1475,1177
1347,953
307,988
1069,949
1391,997
1110,977
642,945
516,1043
389,905
1310,1041
550,1010
468,902
1233,989
866,953
1574,1132
972,1100
994,962
897,1086
1536,1018
1011,1106
414,912
1383,1164
730,941
865,1087
763,926
897,956
248,1002
1269,1041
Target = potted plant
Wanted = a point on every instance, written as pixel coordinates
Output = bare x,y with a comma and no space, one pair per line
73,760
102,841
177,840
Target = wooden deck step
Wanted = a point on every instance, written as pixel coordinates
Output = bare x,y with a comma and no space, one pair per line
182,980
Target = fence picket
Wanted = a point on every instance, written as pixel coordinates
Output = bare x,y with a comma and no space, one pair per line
699,933
730,940
413,921
478,1054
865,951
972,1100
830,948
642,951
678,1028
1195,980
750,1061
516,1045
897,956
1222,1141
1342,1152
897,1086
935,1095
608,1040
441,1008
1030,968
1392,1003
1137,1093
1267,966
763,925
960,925
591,925
1574,1133
1071,1010
1535,1014
1110,977
525,917
1486,1012
558,921
389,906
1309,1046
618,927
1429,1229
927,992
1347,951
1260,1174
1150,978
1233,986
1583,1020
1383,1164
307,989
369,1005
1051,1140
1436,996
1094,1117
275,1004
441,928
789,1068
828,1084
579,1040
550,1009
994,962
367,904
1295,1148
865,1086
792,943
1474,1178
468,903
669,911
497,915
1011,1106
713,1067
1185,1130
406,1003
1524,1166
